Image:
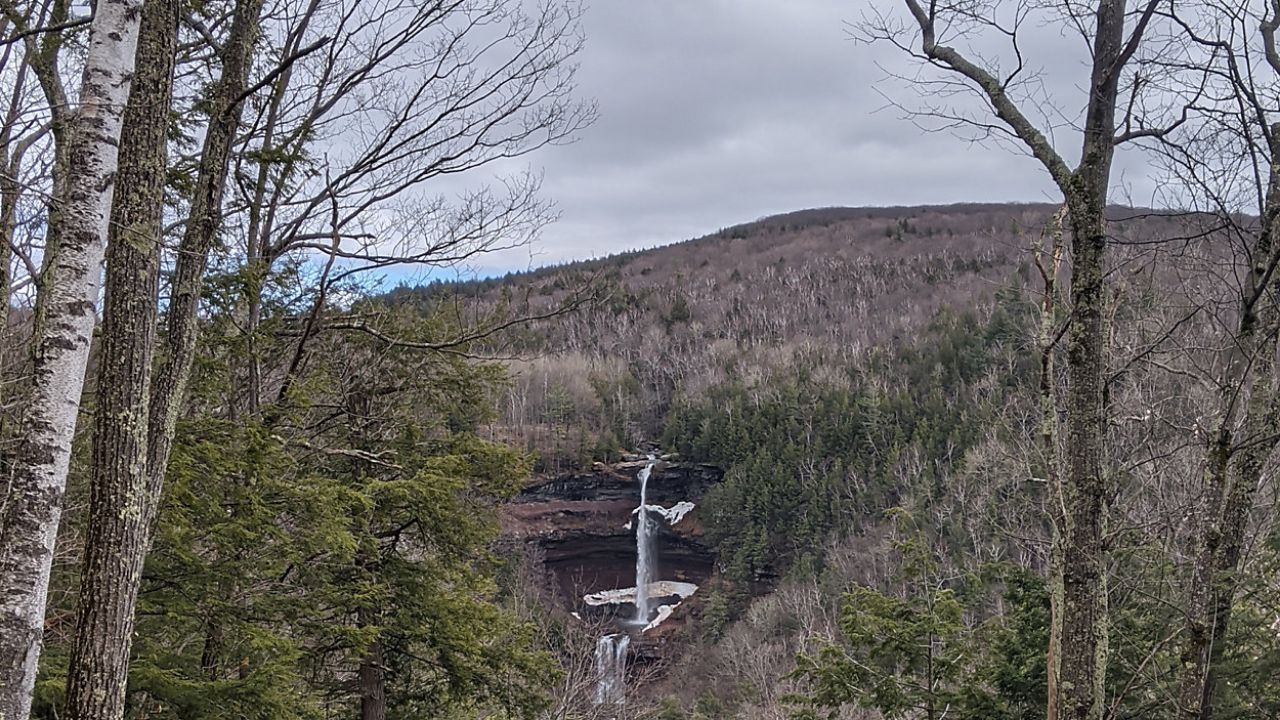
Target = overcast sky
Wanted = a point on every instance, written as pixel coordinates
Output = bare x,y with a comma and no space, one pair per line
716,112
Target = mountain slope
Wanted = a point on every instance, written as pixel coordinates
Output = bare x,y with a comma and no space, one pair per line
819,288
837,364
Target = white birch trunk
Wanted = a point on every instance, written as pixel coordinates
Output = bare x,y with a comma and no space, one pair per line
32,505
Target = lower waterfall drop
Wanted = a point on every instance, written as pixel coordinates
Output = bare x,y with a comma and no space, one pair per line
611,669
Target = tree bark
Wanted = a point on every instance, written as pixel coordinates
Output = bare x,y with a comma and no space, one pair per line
373,685
42,57
1264,418
1212,580
1083,621
211,652
33,506
1086,493
1049,447
1234,462
372,672
1081,654
123,498
1196,631
198,238
11,152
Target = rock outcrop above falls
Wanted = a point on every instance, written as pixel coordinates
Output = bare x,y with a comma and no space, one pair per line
670,482
582,526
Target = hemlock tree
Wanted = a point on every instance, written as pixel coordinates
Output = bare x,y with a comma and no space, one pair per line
376,103
933,645
33,505
339,560
903,655
1114,34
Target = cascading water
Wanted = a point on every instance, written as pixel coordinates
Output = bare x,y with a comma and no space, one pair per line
644,548
611,650
611,669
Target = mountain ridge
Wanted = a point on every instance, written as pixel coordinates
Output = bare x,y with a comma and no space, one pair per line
1030,214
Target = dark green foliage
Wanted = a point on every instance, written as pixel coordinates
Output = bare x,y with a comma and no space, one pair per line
1249,685
243,539
805,457
271,575
679,311
1144,659
1015,666
351,520
915,649
906,656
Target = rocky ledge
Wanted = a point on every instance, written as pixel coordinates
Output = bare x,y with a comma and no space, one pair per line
582,527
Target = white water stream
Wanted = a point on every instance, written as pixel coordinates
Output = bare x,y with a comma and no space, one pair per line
611,650
644,548
611,669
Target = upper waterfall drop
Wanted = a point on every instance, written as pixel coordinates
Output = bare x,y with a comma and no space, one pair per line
644,546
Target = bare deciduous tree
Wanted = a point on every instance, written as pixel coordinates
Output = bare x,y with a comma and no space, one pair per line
1223,165
340,159
1114,34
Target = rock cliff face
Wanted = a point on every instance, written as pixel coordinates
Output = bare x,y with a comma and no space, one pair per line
583,526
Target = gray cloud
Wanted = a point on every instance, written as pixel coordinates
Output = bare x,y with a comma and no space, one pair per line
714,112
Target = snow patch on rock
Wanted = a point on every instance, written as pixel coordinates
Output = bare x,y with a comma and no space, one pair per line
664,612
673,515
662,588
676,513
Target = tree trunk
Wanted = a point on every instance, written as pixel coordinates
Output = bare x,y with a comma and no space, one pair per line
257,264
1086,492
54,229
42,58
1082,613
1049,447
1262,421
1196,632
211,652
10,191
1083,623
1224,519
122,499
373,684
8,211
1228,494
198,238
33,506
9,194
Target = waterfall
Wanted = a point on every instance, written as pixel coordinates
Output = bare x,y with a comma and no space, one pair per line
611,650
644,548
611,669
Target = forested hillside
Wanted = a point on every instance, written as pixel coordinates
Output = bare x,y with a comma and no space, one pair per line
814,290
870,380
